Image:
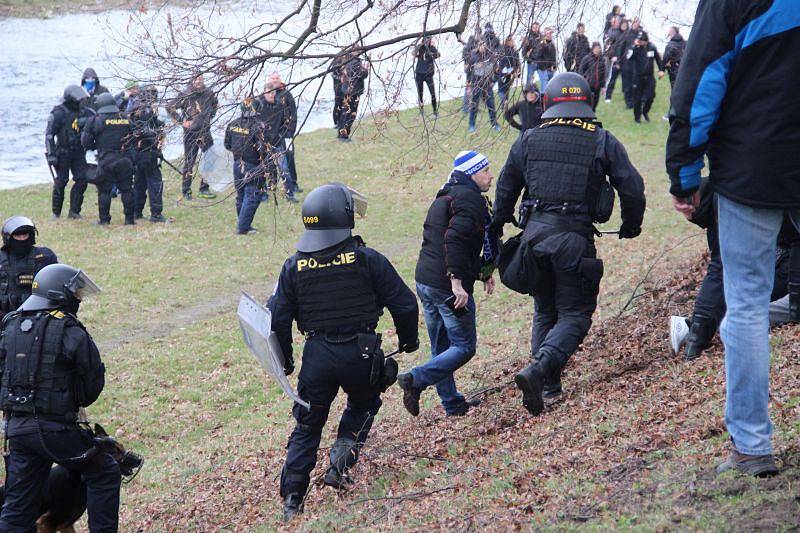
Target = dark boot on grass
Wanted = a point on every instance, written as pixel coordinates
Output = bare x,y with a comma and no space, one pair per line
292,506
411,394
751,465
701,332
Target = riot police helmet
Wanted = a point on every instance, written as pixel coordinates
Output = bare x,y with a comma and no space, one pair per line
106,104
251,107
567,95
59,286
75,93
17,225
329,216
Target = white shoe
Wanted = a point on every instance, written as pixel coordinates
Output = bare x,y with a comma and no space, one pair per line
678,331
608,100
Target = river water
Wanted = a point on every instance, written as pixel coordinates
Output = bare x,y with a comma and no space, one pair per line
41,56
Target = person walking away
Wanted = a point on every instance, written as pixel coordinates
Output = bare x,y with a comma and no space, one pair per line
148,139
64,152
354,73
576,48
728,107
483,68
593,70
645,56
455,250
194,109
20,261
426,55
528,109
508,69
546,59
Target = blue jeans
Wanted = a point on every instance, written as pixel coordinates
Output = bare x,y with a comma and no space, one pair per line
544,79
252,190
530,69
481,92
747,243
278,153
453,339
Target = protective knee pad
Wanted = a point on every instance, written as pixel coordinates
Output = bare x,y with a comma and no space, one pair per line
344,454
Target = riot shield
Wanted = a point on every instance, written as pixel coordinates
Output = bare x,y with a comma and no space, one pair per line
256,323
216,167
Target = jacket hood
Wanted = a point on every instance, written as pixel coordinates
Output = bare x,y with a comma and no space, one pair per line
677,38
89,73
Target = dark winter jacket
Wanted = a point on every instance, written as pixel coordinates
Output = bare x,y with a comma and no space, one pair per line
507,60
482,68
642,61
452,237
575,49
98,89
199,106
593,70
530,114
426,56
624,46
353,75
735,101
530,44
290,111
244,138
546,55
148,129
673,54
276,119
612,40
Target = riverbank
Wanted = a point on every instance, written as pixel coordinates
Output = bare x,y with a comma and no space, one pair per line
631,444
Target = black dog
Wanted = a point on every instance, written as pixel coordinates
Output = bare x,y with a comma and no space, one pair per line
64,492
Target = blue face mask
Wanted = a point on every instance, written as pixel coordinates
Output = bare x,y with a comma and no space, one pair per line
89,85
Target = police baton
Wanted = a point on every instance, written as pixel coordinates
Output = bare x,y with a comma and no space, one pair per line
392,354
173,167
609,232
50,167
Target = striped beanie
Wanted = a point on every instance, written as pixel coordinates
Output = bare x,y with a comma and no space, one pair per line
470,162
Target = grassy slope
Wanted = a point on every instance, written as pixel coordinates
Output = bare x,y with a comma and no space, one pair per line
184,392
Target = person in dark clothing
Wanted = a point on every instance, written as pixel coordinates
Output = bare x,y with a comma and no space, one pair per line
530,45
126,99
508,69
51,368
624,53
644,56
612,39
734,103
576,48
426,55
562,167
20,261
148,138
616,11
593,70
62,140
483,69
276,116
673,53
697,333
452,258
337,71
110,132
490,37
529,110
354,73
194,109
467,56
284,96
91,83
335,288
546,62
245,138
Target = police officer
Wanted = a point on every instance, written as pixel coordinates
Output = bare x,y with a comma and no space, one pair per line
148,137
20,260
644,81
111,134
244,138
51,368
562,166
64,151
335,287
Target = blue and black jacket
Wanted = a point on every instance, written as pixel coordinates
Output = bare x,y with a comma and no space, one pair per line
735,101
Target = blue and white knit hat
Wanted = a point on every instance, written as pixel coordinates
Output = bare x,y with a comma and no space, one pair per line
470,162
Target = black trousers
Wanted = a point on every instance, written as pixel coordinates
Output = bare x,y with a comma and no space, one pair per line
612,81
147,182
627,82
292,167
644,92
193,142
325,368
566,295
347,114
338,99
426,79
29,467
116,171
74,161
596,97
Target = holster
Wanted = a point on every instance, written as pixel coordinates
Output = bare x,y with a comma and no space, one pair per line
370,345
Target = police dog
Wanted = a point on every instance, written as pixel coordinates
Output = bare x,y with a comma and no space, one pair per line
64,492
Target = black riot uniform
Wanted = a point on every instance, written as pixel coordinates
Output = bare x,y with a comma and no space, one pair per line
562,166
111,134
51,368
64,151
148,133
335,287
20,261
644,56
245,139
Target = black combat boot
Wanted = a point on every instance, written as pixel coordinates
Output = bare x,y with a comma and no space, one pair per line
411,394
552,386
292,506
701,332
532,380
344,454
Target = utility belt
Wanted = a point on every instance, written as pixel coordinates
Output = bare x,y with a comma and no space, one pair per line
383,371
561,224
68,418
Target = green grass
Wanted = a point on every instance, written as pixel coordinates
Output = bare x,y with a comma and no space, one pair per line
183,391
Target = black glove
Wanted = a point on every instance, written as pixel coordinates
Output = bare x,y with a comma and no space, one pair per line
288,366
52,160
629,232
407,346
496,228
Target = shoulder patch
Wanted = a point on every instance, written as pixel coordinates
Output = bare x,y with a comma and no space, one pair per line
57,314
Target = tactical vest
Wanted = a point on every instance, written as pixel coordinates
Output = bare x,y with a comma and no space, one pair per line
111,132
69,135
16,283
244,139
333,294
560,156
36,379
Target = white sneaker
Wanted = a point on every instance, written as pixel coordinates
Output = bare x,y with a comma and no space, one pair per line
678,331
608,101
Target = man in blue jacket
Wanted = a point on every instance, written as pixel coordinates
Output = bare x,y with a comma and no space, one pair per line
734,103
